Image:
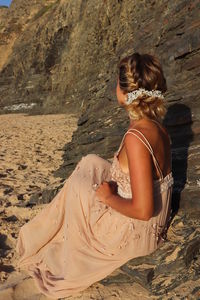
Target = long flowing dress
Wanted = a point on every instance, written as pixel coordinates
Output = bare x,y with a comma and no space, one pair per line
77,240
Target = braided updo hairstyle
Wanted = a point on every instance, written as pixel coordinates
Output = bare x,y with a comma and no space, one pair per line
143,71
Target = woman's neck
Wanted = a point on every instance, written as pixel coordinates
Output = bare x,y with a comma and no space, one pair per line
140,121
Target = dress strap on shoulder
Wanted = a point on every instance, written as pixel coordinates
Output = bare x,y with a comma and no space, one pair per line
160,125
156,122
148,146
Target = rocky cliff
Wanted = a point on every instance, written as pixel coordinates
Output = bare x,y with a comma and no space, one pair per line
62,56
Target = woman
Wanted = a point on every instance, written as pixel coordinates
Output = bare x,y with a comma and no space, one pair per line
106,214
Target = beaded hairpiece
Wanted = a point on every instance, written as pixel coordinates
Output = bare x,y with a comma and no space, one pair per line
136,93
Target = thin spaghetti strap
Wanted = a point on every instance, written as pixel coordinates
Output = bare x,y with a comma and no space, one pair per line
143,137
148,147
162,128
141,141
156,122
160,125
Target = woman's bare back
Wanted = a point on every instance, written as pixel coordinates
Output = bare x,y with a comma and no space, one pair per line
159,140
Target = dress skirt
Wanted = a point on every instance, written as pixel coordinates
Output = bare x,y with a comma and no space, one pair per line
76,239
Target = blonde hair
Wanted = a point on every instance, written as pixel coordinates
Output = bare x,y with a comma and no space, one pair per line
143,71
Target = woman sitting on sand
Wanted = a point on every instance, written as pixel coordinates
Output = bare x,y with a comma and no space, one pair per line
107,213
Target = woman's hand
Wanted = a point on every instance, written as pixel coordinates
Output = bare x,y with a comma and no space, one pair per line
105,190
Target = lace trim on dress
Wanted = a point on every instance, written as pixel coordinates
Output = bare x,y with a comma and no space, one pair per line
123,194
162,188
123,180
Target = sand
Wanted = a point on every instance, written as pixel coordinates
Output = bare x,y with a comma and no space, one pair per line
31,150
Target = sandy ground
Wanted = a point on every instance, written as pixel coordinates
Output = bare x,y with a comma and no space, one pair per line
31,150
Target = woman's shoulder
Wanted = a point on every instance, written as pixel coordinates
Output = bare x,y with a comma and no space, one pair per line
151,131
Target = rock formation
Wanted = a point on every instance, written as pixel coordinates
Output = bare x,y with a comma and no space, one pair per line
62,56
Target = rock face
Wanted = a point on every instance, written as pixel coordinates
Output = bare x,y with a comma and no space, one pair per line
62,56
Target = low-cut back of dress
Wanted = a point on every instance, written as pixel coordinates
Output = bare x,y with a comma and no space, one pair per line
77,240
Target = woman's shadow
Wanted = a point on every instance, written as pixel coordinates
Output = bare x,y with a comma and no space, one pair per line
178,122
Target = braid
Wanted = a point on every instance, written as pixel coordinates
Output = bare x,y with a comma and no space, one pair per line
132,85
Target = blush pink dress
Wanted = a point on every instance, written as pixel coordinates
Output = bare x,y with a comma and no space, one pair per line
77,240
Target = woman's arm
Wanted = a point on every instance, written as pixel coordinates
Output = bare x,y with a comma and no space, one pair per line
141,205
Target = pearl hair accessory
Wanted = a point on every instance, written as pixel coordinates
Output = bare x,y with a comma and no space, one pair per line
136,93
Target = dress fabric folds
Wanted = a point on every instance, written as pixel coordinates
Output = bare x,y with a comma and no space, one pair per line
77,240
